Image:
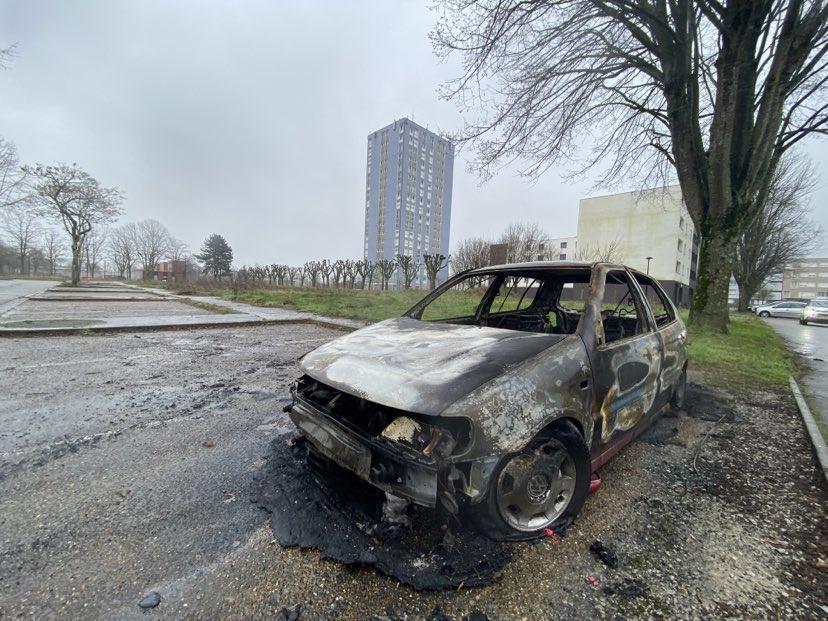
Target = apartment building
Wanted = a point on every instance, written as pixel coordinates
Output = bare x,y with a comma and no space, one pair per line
408,194
649,230
806,278
770,291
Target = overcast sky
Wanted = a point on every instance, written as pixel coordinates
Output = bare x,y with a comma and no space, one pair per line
250,119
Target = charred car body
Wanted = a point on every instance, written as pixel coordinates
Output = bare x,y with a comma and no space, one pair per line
500,392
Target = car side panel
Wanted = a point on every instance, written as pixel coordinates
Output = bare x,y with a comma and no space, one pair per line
512,408
628,381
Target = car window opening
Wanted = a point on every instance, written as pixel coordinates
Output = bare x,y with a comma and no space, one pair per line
529,301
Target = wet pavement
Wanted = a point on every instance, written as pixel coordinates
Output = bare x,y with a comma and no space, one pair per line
43,308
132,464
13,292
811,342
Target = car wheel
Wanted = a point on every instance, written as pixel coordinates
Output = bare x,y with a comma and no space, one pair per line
679,391
764,314
804,322
543,486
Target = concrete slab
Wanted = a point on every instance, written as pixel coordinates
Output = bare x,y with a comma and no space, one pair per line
48,310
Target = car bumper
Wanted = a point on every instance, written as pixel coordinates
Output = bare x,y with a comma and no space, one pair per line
816,319
385,467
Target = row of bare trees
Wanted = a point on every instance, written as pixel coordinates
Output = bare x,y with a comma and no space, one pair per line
37,201
346,273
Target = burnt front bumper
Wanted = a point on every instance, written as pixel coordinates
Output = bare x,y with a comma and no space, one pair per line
391,469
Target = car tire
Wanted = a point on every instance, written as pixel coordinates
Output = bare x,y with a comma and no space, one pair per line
764,314
679,391
536,465
803,322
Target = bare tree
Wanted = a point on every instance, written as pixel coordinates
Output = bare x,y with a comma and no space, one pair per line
293,274
409,267
22,227
522,241
781,232
312,269
433,264
53,249
176,249
472,253
386,269
610,252
152,243
338,271
711,91
36,260
77,200
122,241
12,177
326,269
93,249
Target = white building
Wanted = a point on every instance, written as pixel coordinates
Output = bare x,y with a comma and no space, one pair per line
558,249
649,230
806,278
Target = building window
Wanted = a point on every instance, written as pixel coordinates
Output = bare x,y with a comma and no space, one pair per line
563,245
678,267
562,257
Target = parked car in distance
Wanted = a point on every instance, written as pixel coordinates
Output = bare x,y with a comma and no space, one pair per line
496,396
815,311
784,308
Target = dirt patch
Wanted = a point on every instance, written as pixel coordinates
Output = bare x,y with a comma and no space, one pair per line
308,511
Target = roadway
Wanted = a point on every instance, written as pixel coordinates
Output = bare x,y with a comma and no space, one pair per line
811,342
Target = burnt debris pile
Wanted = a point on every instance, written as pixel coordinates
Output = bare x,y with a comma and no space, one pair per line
349,520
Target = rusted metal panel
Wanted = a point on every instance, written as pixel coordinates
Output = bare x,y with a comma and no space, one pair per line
419,366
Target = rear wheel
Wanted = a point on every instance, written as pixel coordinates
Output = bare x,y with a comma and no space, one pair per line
543,486
679,391
804,322
764,314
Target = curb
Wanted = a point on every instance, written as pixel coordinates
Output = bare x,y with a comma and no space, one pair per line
89,330
817,441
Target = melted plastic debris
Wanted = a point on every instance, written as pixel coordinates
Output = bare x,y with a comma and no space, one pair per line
342,517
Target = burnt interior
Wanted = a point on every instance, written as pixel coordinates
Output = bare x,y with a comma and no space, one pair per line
529,300
370,419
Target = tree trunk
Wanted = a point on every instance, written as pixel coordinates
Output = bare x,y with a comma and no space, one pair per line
744,299
77,242
716,255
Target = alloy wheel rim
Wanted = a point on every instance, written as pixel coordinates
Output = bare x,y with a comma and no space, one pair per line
534,489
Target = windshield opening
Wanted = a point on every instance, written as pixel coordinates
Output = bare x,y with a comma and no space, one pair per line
548,302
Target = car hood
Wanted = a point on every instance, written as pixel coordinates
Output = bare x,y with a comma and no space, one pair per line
420,366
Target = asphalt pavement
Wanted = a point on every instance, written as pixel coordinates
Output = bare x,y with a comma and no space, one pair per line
811,342
13,292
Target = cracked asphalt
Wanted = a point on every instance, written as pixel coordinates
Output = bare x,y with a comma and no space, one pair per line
129,460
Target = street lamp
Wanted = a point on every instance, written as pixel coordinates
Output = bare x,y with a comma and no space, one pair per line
648,263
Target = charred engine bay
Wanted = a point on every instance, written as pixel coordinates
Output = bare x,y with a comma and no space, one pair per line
351,521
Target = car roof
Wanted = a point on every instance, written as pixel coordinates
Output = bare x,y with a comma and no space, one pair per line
546,265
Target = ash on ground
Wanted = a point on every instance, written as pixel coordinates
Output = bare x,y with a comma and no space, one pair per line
349,520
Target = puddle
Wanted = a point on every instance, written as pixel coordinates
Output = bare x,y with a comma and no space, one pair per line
307,511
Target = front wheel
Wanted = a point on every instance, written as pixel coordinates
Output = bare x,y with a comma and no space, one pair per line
804,322
764,314
545,485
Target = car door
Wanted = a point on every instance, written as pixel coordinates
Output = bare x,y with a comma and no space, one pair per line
671,331
796,310
785,309
626,362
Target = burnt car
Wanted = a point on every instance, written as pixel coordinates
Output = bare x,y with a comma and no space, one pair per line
498,395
